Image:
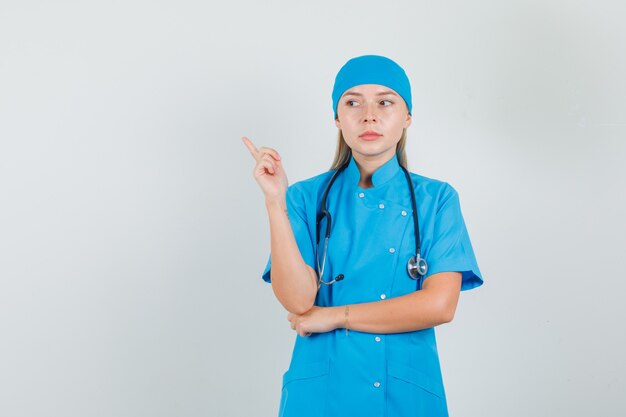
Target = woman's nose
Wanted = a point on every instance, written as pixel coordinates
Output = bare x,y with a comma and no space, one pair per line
369,113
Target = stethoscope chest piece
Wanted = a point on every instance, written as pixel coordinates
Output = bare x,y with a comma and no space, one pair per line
417,266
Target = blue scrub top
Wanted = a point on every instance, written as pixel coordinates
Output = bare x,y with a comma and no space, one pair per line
371,240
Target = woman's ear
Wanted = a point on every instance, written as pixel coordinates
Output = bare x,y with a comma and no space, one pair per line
337,123
408,120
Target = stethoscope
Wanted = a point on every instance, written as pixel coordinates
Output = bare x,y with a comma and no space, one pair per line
416,265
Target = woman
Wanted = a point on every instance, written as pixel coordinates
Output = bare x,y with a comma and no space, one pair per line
364,316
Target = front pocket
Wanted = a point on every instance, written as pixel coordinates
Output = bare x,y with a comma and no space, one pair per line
412,392
305,387
415,377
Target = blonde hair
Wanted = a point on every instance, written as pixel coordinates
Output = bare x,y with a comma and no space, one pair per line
343,152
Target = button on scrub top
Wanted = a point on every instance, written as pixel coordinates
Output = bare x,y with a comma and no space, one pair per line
372,238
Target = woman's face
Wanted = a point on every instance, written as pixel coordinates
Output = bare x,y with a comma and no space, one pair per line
372,107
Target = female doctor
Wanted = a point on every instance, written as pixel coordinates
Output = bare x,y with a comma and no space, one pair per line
365,276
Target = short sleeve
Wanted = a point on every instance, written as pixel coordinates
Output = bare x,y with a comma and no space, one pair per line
451,248
299,225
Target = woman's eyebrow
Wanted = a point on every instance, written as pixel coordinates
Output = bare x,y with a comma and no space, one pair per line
382,93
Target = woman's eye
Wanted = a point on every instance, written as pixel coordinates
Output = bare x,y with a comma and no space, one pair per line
349,102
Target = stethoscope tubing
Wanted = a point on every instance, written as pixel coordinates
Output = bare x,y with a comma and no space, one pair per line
416,266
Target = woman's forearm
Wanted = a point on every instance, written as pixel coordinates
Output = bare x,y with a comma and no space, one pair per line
293,281
415,311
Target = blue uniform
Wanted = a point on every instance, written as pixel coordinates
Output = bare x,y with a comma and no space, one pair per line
372,238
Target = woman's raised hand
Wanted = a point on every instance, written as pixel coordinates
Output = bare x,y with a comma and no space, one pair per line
268,172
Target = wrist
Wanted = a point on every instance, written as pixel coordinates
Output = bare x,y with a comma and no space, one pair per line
278,202
338,317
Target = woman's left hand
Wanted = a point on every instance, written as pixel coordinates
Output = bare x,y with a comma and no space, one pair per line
316,320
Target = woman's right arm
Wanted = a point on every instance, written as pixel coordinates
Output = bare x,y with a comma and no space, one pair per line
293,281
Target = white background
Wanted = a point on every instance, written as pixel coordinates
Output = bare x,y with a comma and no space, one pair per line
133,235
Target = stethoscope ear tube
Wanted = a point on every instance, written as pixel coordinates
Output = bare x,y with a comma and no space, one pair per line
324,213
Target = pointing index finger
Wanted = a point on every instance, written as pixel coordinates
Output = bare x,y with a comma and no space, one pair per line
253,150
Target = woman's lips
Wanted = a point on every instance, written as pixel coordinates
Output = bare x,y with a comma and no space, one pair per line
370,137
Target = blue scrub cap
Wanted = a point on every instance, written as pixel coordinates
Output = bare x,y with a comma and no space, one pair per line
371,69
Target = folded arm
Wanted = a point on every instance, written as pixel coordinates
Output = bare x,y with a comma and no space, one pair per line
434,304
293,281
